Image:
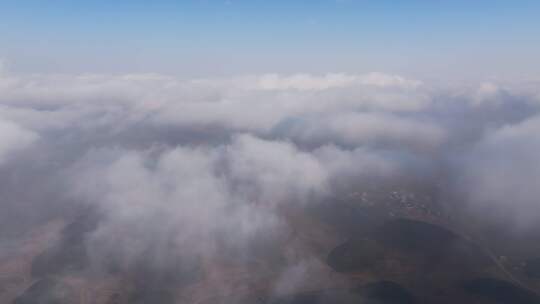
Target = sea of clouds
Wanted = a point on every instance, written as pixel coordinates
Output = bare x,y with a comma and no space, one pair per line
193,165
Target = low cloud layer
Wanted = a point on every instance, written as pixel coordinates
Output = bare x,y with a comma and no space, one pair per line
185,168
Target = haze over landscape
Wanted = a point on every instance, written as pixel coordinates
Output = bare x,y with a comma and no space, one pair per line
258,152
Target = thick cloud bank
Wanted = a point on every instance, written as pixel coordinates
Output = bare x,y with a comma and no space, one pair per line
189,167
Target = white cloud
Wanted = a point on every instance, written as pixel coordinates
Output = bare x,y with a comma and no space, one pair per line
176,164
189,196
278,171
306,82
364,128
14,138
502,171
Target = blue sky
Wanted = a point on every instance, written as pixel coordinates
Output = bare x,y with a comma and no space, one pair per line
429,38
